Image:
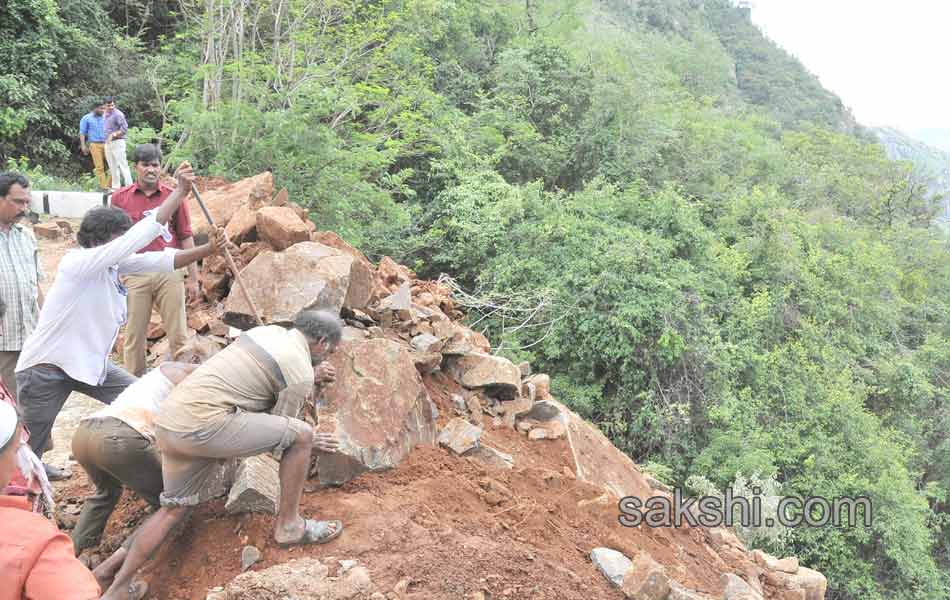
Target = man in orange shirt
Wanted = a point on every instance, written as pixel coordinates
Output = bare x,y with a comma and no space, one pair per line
36,559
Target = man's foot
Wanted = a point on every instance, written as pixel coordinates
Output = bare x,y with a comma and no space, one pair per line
314,532
56,474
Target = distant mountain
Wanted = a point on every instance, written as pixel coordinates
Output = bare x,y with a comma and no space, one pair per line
938,138
929,162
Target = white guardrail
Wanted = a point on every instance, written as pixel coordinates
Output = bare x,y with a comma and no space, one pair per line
70,205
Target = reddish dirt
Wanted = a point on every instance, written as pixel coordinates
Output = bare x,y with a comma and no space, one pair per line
450,525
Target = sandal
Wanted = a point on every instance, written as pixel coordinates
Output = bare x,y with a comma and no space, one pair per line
316,532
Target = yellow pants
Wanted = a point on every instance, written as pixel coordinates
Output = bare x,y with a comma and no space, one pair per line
167,291
98,152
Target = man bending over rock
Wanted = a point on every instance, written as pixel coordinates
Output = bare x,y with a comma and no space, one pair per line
220,412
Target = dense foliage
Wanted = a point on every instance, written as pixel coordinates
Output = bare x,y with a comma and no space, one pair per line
661,208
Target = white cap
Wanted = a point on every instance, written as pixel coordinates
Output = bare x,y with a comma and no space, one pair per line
8,423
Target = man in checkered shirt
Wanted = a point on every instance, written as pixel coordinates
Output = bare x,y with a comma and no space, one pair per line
20,274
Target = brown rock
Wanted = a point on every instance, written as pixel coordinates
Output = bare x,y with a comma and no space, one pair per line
378,408
645,579
542,385
426,342
392,273
243,226
812,582
280,227
307,275
331,239
281,199
65,225
599,462
491,457
735,588
476,370
48,231
459,436
301,578
215,285
678,592
256,487
299,211
200,320
223,202
427,362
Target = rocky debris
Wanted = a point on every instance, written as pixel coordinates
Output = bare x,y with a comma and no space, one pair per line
331,239
427,362
611,563
256,487
767,561
391,274
645,579
243,226
426,342
378,408
302,578
720,538
249,556
476,370
49,231
307,275
678,592
542,385
735,588
395,307
459,436
65,226
804,583
281,227
461,340
491,457
225,201
525,368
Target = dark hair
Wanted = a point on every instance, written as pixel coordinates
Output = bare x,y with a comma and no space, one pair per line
318,325
8,178
108,99
146,153
96,104
101,224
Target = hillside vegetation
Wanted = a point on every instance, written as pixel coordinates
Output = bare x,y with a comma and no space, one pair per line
647,198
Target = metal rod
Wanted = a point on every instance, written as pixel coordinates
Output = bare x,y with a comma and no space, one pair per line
229,258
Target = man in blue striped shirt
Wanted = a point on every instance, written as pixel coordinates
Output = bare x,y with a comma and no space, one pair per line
92,140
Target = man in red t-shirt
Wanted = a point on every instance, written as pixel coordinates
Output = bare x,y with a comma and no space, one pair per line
166,290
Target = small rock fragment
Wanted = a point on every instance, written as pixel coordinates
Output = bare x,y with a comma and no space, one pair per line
249,556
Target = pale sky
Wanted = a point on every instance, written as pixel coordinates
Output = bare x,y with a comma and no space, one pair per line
886,60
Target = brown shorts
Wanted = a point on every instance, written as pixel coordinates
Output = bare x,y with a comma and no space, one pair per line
193,463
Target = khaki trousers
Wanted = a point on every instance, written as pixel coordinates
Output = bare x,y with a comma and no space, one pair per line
114,455
97,150
167,292
7,364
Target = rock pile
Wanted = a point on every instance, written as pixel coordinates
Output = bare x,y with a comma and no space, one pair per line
402,333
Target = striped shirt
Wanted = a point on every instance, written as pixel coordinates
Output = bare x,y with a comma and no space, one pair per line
20,274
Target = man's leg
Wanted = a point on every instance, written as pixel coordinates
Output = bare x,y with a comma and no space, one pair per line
90,450
114,174
170,298
122,160
141,295
148,539
294,465
98,153
43,390
7,364
115,382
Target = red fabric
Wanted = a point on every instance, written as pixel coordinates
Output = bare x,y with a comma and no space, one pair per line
18,484
37,561
134,202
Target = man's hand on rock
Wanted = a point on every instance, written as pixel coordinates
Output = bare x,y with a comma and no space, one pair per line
324,374
326,442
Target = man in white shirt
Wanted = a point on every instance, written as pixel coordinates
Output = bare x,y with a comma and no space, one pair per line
80,320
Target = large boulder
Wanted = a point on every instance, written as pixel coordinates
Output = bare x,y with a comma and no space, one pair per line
597,461
281,227
645,579
378,408
307,275
243,226
478,370
223,202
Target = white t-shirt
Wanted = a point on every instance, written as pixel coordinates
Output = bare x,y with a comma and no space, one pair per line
86,306
137,405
